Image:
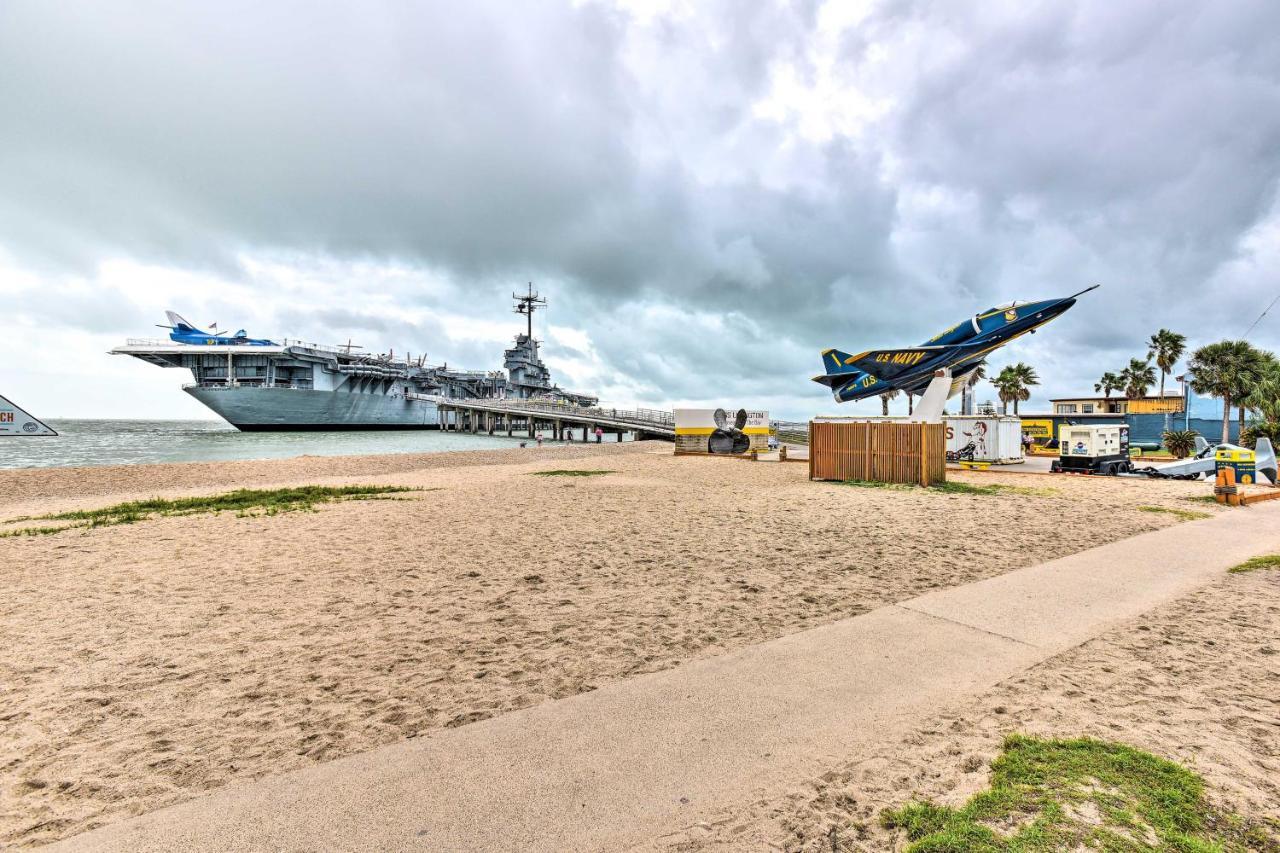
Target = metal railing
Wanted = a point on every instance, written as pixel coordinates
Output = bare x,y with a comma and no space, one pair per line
166,343
650,417
249,382
293,342
792,432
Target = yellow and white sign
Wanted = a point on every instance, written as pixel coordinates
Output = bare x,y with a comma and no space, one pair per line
723,430
1039,430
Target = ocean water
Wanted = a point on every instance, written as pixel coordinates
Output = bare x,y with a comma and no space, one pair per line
102,442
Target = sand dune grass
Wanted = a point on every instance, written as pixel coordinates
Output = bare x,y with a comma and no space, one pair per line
243,502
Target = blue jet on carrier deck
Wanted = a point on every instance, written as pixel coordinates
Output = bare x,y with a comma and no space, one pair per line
182,332
958,350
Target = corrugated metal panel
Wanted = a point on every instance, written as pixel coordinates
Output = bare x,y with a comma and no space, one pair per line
1149,429
996,439
1155,406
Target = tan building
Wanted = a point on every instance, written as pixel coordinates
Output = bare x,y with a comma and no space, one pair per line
1171,403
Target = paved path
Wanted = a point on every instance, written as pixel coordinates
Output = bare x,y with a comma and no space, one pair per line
636,760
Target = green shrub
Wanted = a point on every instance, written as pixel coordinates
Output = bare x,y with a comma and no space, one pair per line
1180,442
1260,429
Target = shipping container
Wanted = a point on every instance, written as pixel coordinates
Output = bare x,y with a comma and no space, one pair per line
994,438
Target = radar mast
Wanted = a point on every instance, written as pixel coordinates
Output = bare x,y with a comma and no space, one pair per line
526,304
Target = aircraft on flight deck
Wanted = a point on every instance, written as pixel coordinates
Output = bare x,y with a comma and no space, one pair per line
182,332
961,349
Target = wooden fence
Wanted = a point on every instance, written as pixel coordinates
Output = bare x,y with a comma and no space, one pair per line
883,452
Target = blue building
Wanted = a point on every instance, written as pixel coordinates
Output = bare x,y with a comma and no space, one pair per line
1148,417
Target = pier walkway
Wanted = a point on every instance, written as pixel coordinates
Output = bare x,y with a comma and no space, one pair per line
560,421
639,761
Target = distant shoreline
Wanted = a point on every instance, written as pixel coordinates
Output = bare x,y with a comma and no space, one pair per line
92,443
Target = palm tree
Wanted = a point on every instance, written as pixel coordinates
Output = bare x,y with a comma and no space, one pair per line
1166,348
1230,370
884,401
1180,442
1137,378
979,373
1263,399
1013,384
1108,383
1006,385
1255,370
1029,378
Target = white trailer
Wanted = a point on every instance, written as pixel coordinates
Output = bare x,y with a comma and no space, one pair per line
993,438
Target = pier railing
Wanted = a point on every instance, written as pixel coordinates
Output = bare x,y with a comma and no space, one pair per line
792,432
654,422
654,417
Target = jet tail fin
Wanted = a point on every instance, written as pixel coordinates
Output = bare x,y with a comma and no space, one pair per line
836,362
1266,458
178,324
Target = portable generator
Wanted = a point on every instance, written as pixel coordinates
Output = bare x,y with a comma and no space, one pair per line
1093,449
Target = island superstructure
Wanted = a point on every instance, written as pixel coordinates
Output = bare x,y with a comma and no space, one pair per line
262,384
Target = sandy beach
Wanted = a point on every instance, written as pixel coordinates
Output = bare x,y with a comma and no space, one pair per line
154,661
1193,681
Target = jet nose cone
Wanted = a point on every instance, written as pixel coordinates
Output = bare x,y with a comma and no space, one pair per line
1055,308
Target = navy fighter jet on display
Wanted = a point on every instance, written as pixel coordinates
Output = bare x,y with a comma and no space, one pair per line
182,332
960,349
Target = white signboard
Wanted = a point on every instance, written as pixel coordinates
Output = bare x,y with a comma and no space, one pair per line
16,422
726,430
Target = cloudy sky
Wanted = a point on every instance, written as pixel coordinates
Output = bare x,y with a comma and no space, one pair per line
708,193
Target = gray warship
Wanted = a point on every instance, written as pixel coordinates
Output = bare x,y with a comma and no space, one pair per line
257,384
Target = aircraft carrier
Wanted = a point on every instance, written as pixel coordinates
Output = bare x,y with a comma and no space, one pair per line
260,384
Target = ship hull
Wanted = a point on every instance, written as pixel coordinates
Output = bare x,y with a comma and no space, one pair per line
254,409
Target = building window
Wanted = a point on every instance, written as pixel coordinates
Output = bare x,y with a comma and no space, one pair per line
1086,408
1065,409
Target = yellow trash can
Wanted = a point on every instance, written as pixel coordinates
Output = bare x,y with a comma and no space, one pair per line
1241,460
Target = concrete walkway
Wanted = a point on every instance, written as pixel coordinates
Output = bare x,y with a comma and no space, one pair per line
642,758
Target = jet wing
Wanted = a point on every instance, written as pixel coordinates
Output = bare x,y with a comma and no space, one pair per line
887,364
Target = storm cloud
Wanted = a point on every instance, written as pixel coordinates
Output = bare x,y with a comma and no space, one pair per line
709,193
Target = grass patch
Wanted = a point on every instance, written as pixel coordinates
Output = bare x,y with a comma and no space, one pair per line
1183,514
1050,795
876,484
571,472
243,502
955,488
32,531
1202,499
1270,561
